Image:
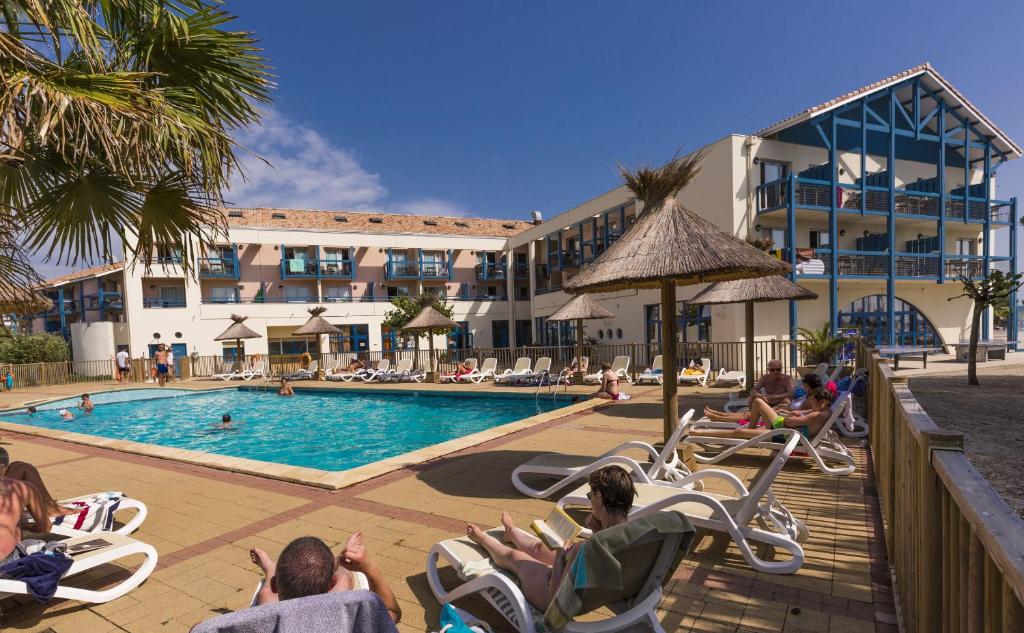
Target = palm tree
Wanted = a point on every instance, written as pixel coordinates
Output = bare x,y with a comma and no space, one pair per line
115,127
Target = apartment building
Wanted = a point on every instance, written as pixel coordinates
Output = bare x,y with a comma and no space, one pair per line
880,199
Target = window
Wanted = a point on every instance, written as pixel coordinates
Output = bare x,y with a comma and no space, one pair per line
499,333
353,338
772,170
966,246
819,239
298,294
523,334
394,340
224,294
337,294
694,323
398,291
293,347
870,314
461,337
524,293
776,236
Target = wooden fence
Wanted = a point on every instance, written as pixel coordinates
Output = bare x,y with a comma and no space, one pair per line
956,549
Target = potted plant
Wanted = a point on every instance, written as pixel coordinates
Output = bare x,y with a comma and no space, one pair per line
818,346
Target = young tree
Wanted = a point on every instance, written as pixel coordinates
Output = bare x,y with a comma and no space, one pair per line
406,309
987,291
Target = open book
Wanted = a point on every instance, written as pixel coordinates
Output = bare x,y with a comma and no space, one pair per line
557,530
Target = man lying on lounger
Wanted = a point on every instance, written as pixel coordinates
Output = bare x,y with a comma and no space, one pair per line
23,471
808,421
306,567
540,569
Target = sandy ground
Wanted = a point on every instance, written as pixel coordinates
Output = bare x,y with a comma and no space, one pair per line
989,416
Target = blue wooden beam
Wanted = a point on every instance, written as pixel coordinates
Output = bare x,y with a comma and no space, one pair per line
791,249
1011,327
874,115
928,118
941,175
917,107
890,281
906,115
833,231
824,137
863,159
987,238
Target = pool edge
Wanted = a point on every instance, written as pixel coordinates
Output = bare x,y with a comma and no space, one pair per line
330,480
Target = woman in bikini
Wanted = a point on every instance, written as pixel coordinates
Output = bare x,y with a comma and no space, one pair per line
609,384
808,421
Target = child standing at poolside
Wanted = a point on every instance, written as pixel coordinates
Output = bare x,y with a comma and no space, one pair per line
9,380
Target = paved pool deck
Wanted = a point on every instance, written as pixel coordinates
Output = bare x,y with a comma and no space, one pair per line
203,520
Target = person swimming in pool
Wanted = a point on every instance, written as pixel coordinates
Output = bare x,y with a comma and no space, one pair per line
66,415
225,423
86,404
808,422
286,388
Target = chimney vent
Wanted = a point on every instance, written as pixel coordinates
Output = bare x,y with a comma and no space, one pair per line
537,216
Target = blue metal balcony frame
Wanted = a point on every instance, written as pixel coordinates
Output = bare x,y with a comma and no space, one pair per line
220,267
429,270
159,302
319,267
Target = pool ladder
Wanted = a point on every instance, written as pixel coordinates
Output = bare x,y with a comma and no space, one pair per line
564,379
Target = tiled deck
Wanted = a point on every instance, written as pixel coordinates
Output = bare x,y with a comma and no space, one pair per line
202,522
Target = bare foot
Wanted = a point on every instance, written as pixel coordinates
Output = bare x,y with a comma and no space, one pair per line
474,532
264,562
510,527
354,556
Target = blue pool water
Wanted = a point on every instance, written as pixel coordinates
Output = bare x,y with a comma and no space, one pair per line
327,430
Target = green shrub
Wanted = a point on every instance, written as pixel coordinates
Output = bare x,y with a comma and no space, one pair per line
33,348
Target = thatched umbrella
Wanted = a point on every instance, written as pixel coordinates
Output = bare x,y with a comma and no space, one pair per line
670,246
429,321
749,292
579,308
21,302
315,326
236,332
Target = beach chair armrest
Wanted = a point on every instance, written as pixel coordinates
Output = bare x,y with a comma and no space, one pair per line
632,444
716,475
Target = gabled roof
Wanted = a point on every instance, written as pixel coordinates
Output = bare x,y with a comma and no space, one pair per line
933,80
363,222
95,271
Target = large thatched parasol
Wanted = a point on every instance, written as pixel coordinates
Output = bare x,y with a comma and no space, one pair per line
315,326
580,308
236,332
21,302
749,292
671,246
429,321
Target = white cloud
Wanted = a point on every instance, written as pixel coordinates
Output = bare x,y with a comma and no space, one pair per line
308,171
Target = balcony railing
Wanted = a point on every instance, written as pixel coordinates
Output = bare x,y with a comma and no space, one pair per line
218,268
521,271
435,270
110,301
159,302
298,268
488,271
401,270
336,268
334,299
908,265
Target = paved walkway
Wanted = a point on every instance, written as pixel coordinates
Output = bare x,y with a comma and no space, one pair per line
203,521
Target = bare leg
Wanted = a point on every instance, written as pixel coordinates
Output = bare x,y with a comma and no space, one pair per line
534,576
763,411
526,542
722,416
601,395
23,471
269,568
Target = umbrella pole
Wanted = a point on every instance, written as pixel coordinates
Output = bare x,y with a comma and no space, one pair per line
578,376
669,328
431,374
749,309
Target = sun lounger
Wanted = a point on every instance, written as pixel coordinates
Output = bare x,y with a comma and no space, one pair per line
401,367
731,377
227,372
522,367
96,513
258,369
620,367
364,373
541,372
665,465
305,374
701,378
120,547
623,568
454,378
483,372
824,447
653,374
331,368
731,514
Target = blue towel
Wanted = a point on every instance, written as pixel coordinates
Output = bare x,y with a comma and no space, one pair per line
40,572
351,611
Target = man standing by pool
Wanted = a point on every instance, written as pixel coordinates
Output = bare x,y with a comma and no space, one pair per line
160,357
124,369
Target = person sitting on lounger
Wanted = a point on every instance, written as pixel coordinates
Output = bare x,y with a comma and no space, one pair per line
808,421
15,496
774,387
609,384
354,365
694,370
464,369
286,388
306,567
24,471
540,569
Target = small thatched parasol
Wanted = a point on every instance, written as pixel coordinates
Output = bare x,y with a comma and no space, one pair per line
315,326
670,246
579,308
749,292
429,321
236,332
21,302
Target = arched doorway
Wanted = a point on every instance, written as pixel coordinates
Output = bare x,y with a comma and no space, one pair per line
869,315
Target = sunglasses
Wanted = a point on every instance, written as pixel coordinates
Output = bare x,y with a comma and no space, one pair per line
590,495
774,369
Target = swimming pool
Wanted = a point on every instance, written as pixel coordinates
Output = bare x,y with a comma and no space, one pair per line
327,430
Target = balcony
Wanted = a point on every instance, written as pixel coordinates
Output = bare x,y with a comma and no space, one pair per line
103,301
926,266
435,270
218,268
299,268
336,268
521,271
161,302
490,271
400,269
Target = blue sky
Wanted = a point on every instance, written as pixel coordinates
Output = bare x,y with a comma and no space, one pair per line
499,108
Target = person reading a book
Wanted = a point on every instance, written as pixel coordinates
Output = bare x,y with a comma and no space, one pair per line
540,568
306,567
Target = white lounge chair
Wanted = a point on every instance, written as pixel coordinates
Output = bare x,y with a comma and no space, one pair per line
120,547
539,372
822,371
404,366
736,377
258,369
483,372
347,376
701,378
653,374
305,374
452,378
643,567
824,447
332,367
665,465
620,367
522,366
97,514
227,372
731,514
